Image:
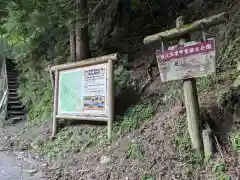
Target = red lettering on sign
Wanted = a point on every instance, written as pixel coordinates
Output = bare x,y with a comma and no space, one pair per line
202,47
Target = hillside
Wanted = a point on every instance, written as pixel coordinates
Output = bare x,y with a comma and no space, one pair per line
150,138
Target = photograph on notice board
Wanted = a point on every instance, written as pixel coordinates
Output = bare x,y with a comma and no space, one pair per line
93,102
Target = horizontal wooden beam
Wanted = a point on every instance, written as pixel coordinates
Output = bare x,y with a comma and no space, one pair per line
186,29
86,62
89,118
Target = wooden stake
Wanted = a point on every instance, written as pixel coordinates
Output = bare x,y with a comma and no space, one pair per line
207,143
55,104
110,96
191,103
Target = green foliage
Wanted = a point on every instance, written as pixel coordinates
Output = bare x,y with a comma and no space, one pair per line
70,139
226,67
134,116
182,138
134,151
219,170
208,82
123,79
73,139
148,177
36,90
184,147
37,31
235,141
174,93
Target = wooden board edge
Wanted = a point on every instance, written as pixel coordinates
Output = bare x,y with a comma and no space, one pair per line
86,62
177,32
89,118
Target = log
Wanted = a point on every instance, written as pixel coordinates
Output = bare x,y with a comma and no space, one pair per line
86,62
186,29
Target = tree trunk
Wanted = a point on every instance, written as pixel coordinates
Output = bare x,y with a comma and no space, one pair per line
72,42
82,39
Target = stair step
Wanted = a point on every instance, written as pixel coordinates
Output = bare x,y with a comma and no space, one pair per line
18,102
12,86
12,71
14,98
13,78
12,82
15,81
16,119
12,75
16,113
12,94
16,109
12,90
15,106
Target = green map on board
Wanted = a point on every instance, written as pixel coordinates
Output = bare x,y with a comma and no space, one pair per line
70,91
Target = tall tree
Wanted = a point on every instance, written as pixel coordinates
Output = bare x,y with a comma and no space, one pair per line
82,39
72,35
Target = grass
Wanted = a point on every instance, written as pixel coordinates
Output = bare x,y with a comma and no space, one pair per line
209,82
148,177
73,139
235,141
184,148
135,116
219,171
134,151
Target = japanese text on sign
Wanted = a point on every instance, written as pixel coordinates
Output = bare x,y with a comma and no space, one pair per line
187,51
193,59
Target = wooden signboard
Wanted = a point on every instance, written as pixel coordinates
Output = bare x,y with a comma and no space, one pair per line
192,60
84,91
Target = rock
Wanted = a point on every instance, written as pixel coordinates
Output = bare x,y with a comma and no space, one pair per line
19,157
105,160
44,165
31,171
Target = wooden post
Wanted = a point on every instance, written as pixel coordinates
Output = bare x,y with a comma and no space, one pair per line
110,96
55,104
207,143
191,103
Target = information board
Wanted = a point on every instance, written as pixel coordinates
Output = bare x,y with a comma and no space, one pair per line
192,60
83,91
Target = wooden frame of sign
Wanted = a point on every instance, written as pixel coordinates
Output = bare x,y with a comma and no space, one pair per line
92,81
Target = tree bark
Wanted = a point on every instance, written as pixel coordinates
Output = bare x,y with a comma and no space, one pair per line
72,42
82,39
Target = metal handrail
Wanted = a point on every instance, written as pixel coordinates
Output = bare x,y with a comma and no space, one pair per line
3,88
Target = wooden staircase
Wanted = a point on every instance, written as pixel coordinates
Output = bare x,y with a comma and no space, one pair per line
15,108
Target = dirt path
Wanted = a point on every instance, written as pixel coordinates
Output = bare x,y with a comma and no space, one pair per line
16,165
15,168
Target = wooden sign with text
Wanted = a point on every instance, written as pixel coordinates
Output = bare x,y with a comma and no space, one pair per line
192,60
